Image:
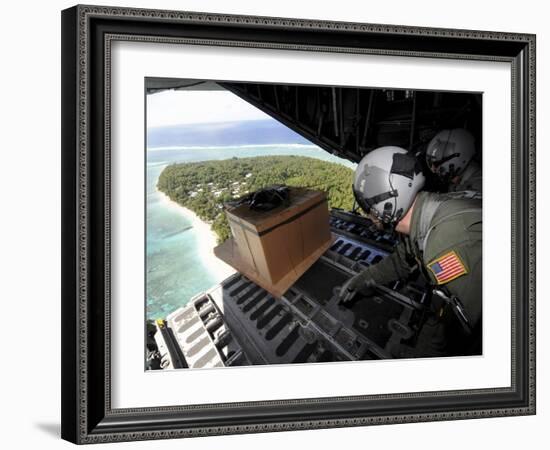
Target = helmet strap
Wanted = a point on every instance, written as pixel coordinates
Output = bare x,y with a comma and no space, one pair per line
381,197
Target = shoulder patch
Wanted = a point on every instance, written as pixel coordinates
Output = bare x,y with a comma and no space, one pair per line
447,267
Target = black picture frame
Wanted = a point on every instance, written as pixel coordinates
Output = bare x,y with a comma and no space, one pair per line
87,33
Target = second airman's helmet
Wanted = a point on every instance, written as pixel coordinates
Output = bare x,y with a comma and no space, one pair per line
449,152
386,182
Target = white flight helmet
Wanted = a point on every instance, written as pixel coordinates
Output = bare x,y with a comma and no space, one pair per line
449,152
386,182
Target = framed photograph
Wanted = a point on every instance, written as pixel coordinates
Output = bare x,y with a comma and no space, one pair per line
279,224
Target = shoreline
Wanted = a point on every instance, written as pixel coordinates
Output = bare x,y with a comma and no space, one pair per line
206,238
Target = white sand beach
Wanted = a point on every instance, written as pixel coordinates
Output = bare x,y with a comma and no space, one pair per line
206,239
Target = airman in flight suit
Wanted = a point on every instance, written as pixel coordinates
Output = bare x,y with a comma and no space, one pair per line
449,155
440,234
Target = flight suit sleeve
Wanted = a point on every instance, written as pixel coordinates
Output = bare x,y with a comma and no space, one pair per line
392,268
459,267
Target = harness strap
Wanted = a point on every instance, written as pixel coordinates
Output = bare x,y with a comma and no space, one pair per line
428,211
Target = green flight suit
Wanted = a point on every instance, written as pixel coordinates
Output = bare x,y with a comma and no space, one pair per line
470,180
443,227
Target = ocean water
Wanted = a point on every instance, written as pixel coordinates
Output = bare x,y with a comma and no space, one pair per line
175,270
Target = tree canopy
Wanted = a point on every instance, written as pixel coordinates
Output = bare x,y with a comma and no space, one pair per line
203,187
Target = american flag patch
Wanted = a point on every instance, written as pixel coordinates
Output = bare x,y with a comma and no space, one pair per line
447,267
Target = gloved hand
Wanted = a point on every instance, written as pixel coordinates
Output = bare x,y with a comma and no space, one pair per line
356,283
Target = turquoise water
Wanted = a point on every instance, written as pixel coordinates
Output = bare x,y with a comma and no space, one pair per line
175,271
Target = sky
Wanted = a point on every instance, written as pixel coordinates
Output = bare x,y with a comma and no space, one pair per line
189,107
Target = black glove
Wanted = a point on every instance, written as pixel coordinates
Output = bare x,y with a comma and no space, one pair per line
356,283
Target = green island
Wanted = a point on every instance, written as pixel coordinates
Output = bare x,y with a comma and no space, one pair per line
203,187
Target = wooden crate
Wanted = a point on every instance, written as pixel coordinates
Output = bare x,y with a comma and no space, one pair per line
276,247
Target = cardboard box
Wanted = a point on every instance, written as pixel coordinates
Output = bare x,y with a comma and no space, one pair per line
276,247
